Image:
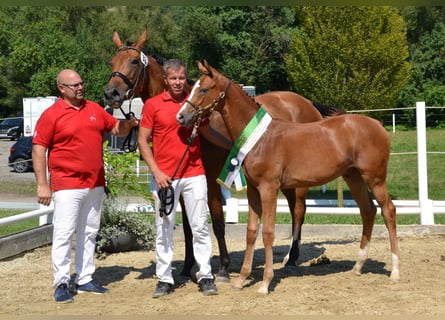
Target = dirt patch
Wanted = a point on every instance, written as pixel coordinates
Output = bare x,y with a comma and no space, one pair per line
309,289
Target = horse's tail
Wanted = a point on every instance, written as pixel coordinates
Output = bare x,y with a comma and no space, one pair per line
328,111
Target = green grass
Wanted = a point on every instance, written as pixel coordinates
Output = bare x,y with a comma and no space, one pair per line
18,226
283,218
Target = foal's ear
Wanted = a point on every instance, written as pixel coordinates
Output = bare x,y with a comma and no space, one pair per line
117,40
204,68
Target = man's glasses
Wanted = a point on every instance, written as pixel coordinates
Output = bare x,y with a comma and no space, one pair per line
75,86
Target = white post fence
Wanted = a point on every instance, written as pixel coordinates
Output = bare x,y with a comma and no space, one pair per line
426,207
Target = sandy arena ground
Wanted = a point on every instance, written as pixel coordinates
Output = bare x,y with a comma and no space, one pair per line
319,289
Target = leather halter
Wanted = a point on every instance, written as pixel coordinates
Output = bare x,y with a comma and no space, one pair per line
211,106
131,86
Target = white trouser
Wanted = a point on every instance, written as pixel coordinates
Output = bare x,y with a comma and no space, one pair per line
194,193
75,211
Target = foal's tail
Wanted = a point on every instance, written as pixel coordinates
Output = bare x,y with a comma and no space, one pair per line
328,111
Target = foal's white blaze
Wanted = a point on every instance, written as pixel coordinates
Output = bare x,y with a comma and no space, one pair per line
192,93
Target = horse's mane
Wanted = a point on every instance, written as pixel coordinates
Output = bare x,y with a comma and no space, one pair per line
327,110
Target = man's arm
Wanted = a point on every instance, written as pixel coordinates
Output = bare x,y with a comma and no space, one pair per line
144,135
44,194
123,127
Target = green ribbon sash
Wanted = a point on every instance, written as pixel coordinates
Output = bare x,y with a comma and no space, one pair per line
232,171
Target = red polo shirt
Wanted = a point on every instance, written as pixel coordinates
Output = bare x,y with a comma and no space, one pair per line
74,140
170,139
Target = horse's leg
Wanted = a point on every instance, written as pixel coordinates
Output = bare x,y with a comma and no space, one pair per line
368,210
219,229
253,222
383,198
296,199
189,260
213,159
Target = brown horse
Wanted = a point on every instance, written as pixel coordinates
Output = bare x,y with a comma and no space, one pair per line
352,146
131,76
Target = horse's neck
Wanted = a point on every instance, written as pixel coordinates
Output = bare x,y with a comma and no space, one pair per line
239,109
154,80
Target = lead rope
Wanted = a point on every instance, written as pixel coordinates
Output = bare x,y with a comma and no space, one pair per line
130,142
167,195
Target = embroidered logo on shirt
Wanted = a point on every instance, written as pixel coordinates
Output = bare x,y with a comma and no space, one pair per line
92,118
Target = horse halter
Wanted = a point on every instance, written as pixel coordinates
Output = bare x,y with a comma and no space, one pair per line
142,73
211,106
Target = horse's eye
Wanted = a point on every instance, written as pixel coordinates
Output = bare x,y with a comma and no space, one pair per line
203,91
135,61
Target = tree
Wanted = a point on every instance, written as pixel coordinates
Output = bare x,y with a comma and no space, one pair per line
353,57
428,78
246,43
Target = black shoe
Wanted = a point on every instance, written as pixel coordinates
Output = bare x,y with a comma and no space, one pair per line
207,286
162,289
62,294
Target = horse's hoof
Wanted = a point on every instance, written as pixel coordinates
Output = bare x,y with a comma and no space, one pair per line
222,279
290,267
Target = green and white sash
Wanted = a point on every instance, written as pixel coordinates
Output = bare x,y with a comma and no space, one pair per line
232,171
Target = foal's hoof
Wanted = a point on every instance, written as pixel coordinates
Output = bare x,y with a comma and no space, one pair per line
395,277
263,290
237,284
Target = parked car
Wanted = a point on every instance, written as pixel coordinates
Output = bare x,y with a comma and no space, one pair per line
20,155
11,128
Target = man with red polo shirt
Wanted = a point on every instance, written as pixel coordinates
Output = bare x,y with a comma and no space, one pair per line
68,140
185,177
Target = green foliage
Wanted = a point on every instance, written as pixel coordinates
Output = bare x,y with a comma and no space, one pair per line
121,183
116,220
428,79
353,57
119,173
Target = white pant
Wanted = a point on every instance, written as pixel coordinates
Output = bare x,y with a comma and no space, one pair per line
194,193
75,211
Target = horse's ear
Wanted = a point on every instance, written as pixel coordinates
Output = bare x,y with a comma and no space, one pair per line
141,41
117,40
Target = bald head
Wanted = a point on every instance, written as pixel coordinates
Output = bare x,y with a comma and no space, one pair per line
68,76
71,87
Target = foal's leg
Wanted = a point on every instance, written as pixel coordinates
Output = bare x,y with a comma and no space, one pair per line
253,222
389,215
359,191
296,198
269,206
